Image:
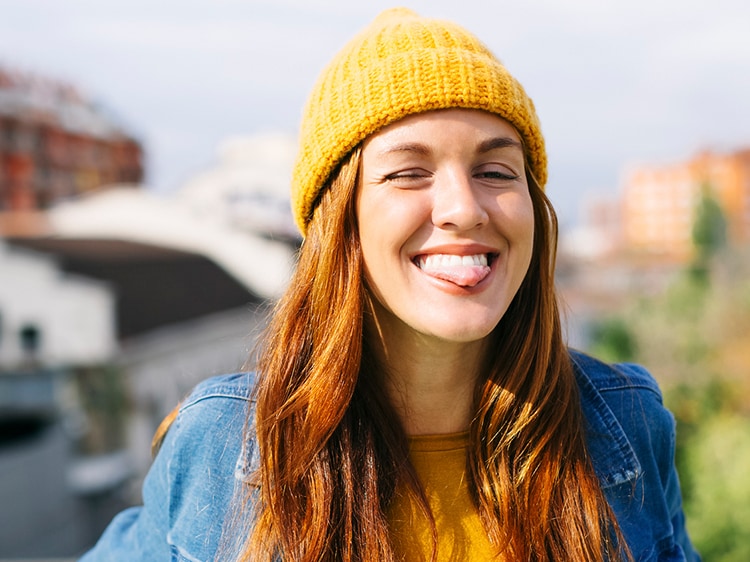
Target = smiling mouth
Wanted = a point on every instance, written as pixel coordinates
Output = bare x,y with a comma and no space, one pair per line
464,271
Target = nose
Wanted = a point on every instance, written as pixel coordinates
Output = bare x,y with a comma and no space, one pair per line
455,204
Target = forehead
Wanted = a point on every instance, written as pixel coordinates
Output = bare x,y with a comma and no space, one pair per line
423,127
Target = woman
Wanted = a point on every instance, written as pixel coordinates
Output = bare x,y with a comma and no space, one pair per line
414,399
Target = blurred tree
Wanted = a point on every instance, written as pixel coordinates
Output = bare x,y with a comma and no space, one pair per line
709,233
105,400
613,340
718,508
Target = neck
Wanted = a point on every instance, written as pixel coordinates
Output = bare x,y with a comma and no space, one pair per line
430,382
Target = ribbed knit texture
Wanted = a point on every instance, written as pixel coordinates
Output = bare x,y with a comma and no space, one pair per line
399,65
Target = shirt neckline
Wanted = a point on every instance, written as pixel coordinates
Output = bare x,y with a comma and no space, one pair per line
441,442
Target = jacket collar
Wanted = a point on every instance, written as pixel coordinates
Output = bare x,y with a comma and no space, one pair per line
612,455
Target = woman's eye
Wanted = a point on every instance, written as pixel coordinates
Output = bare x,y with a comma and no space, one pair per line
407,177
496,173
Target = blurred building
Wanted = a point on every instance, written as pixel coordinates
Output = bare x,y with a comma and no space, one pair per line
56,144
51,324
190,291
659,202
115,302
636,242
248,188
148,300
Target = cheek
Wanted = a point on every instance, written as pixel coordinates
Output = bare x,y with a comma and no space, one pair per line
529,227
384,230
374,242
389,219
531,232
515,216
519,225
371,238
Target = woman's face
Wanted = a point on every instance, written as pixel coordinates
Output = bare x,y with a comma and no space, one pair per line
446,223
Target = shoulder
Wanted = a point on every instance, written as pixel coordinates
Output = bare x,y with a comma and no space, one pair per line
237,386
616,377
223,408
220,406
627,423
627,390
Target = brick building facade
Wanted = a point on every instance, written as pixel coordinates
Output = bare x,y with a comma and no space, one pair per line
55,144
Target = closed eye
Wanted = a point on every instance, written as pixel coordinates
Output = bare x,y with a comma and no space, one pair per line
494,172
497,176
408,178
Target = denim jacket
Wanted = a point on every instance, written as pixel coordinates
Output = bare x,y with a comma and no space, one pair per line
189,488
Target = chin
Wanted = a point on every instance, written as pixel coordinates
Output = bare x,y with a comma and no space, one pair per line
462,334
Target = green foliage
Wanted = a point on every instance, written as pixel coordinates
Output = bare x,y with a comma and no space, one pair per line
105,400
613,340
692,404
669,332
718,507
710,226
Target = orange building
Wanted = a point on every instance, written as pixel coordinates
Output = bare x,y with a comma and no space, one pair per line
659,202
54,144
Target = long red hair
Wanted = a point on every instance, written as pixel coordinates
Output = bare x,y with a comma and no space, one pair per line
332,451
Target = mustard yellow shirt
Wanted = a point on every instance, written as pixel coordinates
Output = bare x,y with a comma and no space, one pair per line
440,463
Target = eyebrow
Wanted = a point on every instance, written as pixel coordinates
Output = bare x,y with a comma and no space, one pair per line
416,148
484,146
498,142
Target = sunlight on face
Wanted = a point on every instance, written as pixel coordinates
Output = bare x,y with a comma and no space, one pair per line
446,223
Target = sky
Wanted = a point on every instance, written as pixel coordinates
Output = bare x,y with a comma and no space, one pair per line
616,84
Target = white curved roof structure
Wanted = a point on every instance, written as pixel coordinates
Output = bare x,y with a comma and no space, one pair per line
133,215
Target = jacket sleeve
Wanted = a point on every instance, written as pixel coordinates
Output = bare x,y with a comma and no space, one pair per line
188,491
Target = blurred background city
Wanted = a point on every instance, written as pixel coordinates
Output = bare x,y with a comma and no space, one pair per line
145,155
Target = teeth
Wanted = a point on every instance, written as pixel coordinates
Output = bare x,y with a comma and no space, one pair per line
432,261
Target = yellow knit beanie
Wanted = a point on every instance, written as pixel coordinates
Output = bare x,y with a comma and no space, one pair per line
399,65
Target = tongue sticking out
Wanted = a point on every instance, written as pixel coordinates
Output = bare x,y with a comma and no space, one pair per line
462,276
466,271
